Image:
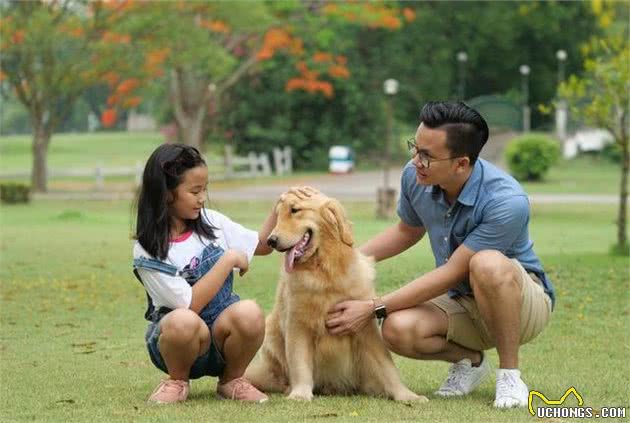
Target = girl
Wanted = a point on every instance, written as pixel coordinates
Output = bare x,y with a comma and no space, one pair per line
184,256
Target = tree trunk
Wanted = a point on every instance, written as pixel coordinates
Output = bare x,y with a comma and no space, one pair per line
190,101
41,140
622,239
192,130
190,109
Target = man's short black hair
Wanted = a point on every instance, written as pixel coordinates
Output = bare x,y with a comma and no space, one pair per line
466,130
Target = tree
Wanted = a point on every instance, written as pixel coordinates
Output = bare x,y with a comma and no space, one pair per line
316,74
51,51
200,50
601,96
416,43
498,37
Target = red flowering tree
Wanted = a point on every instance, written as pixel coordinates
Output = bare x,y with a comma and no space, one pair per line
50,52
200,49
317,70
323,75
204,48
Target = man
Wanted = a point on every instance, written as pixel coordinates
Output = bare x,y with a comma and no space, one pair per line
488,289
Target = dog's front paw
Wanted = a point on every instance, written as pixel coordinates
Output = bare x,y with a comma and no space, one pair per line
410,396
301,393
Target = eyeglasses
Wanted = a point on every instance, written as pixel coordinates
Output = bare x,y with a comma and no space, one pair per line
424,159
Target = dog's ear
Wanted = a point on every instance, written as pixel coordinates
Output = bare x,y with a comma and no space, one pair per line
334,214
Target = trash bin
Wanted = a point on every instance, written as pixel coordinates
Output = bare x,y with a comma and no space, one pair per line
341,159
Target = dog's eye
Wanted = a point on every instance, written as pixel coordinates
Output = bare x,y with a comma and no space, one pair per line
294,210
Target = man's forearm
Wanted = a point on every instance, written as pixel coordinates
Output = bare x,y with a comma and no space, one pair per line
431,284
391,242
420,290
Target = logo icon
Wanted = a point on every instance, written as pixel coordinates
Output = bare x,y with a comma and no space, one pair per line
547,401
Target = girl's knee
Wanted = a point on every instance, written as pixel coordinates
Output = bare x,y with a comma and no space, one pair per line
249,318
180,323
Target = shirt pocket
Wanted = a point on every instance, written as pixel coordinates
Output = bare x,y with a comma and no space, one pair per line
460,231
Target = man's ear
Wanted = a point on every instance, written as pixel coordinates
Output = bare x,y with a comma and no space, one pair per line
463,163
335,216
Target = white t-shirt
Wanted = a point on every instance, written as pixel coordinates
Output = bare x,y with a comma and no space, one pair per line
174,291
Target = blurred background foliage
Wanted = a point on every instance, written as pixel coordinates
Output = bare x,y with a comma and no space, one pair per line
351,47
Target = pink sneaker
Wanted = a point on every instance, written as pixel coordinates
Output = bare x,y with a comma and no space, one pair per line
170,391
240,389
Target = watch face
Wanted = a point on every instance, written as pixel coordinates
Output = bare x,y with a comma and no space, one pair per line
380,312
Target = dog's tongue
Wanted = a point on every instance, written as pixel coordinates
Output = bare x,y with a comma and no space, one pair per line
289,256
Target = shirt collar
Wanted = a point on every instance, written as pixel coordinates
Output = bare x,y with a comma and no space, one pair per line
469,194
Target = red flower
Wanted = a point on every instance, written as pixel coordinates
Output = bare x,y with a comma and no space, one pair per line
108,118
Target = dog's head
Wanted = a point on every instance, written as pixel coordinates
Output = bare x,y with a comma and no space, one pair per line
304,225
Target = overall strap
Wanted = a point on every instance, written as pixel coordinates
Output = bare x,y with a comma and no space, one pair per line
150,307
152,264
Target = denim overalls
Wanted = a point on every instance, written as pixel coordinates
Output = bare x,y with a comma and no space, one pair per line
211,363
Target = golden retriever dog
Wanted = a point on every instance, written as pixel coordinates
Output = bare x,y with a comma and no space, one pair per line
321,268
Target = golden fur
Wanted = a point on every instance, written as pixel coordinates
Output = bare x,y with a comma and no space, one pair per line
298,355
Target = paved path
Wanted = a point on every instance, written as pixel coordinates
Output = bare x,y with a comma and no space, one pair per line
362,186
358,186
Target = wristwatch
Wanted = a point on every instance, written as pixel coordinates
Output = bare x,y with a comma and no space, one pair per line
380,311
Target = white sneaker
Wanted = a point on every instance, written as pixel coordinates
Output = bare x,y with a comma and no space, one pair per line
511,390
463,378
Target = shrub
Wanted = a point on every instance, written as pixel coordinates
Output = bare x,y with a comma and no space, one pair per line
14,192
530,156
612,152
622,250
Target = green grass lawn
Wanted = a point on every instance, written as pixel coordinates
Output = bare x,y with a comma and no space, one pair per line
586,174
111,149
71,339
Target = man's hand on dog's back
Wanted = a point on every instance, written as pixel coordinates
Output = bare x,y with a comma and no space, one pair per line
349,317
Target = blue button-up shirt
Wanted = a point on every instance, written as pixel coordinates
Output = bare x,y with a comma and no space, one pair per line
491,213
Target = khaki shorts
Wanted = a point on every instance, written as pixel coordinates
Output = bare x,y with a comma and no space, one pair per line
466,327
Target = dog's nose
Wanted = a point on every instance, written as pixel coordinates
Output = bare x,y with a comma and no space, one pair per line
272,241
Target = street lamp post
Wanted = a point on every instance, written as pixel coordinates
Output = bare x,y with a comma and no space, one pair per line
524,70
387,195
561,55
462,58
561,105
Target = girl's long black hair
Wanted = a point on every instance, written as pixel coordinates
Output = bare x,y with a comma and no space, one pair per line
162,174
